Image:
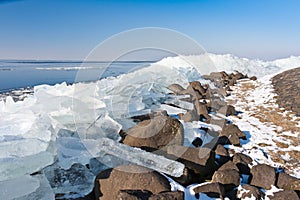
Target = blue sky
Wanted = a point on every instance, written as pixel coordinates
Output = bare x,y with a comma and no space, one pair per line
70,29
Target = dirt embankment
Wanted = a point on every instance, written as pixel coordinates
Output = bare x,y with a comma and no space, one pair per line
287,86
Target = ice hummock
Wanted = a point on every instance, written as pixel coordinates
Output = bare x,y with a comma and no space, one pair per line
49,130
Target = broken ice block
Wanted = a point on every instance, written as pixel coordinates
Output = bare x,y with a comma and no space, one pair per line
43,192
171,110
15,167
76,180
137,156
104,126
182,104
70,150
19,148
18,187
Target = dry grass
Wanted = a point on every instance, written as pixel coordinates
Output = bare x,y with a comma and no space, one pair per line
280,144
276,117
270,114
264,145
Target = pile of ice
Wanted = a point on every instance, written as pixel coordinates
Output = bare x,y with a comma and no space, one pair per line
231,63
48,139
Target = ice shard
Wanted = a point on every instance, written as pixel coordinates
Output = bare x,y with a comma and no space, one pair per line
77,180
43,192
137,156
18,187
14,167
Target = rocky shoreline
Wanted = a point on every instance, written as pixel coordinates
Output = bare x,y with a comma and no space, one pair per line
211,168
197,130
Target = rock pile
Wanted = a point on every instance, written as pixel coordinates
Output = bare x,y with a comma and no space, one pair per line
218,172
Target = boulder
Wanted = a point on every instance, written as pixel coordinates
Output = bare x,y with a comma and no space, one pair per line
230,178
242,161
247,191
189,116
221,150
196,85
263,176
229,165
232,128
155,133
200,160
227,110
188,177
176,88
134,195
284,195
253,78
229,138
176,195
214,190
202,110
128,177
287,182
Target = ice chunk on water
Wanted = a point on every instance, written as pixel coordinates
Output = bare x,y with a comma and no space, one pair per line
137,156
18,187
76,180
15,167
43,192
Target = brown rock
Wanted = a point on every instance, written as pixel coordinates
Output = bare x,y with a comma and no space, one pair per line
263,176
214,190
229,165
176,88
190,116
285,181
177,195
232,128
230,178
202,110
284,195
250,191
253,78
242,161
221,150
128,177
196,85
227,110
134,195
187,178
229,138
155,133
200,160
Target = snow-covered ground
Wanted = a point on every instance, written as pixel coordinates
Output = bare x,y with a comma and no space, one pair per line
273,133
58,121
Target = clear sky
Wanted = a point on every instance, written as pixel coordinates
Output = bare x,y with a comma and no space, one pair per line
70,29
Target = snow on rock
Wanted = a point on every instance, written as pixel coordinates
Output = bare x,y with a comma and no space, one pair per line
49,127
269,140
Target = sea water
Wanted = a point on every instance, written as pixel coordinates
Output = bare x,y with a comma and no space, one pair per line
16,74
